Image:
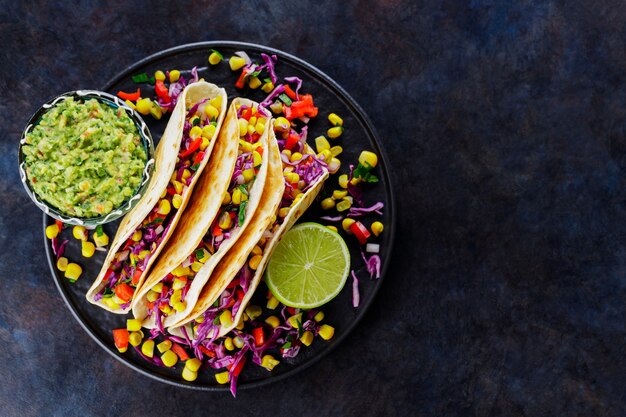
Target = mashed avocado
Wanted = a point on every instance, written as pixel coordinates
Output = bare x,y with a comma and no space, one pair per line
84,158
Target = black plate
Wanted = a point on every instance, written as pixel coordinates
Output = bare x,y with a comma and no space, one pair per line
359,135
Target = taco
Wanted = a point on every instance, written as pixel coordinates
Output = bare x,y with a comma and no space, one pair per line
224,298
180,158
214,220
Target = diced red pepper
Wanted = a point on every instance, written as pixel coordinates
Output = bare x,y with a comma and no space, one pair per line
254,138
161,91
303,107
360,231
178,349
217,231
124,292
199,157
192,148
107,276
129,96
290,92
207,352
239,294
246,113
127,244
171,190
240,83
259,336
292,140
59,224
120,337
291,310
239,366
136,276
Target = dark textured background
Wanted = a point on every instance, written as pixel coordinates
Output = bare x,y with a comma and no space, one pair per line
504,122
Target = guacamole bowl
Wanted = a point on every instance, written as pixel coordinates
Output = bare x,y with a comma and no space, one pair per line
86,158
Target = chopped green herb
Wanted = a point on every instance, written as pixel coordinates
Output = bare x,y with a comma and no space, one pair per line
99,230
108,293
242,212
141,78
199,253
364,173
285,99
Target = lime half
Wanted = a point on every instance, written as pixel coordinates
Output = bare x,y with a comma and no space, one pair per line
309,266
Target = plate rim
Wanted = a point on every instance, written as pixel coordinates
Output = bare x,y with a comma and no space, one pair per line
83,320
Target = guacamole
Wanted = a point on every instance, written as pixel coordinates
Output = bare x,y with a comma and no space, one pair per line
84,158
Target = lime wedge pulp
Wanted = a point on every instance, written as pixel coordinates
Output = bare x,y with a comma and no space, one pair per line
309,266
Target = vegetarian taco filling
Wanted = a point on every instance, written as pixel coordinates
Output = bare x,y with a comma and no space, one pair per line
130,261
168,295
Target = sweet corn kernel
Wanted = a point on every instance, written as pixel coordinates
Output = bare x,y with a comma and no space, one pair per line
180,306
326,332
325,155
195,267
377,228
283,212
296,156
87,249
260,126
137,235
215,58
133,325
101,240
144,105
79,232
52,231
228,343
225,221
293,320
368,159
164,346
272,303
189,375
257,158
158,287
216,102
174,76
135,338
307,338
211,112
243,127
181,271
254,82
336,150
254,262
292,178
179,283
328,203
73,271
222,377
239,325
333,228
346,223
193,364
321,144
343,205
236,62
253,311
164,193
165,309
335,120
334,132
177,200
267,87
256,250
226,318
169,358
159,75
143,254
152,296
199,319
281,124
343,181
208,131
339,194
109,302
238,342
333,165
148,348
186,173
195,132
269,362
62,263
130,104
276,107
287,153
319,316
273,321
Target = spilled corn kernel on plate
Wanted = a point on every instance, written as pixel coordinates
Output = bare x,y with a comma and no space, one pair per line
356,201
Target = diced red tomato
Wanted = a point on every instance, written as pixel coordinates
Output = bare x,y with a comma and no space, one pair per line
120,338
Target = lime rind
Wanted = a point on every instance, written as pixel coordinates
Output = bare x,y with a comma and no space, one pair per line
309,266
